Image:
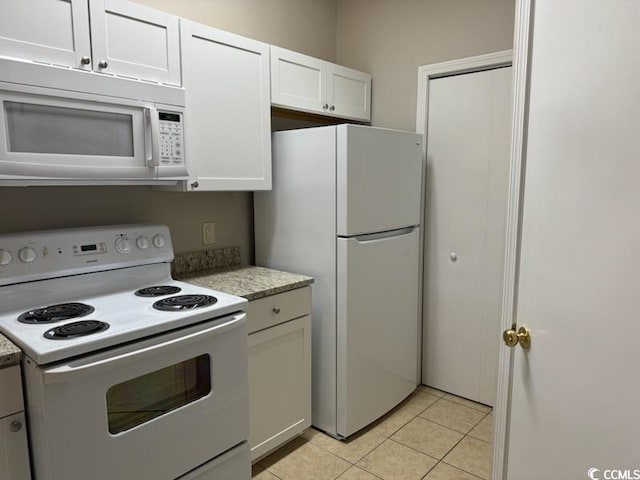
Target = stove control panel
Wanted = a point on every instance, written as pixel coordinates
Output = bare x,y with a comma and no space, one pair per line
56,253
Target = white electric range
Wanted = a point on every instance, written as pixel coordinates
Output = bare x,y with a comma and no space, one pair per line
121,360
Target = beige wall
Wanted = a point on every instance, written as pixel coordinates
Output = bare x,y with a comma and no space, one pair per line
391,38
35,208
306,26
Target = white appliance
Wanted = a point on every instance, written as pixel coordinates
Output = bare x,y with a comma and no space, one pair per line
345,209
50,136
62,126
127,372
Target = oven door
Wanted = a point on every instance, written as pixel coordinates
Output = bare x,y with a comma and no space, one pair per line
154,409
47,137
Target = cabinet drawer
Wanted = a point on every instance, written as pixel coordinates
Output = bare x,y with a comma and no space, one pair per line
10,391
269,311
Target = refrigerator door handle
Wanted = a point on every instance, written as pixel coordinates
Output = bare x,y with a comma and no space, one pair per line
369,237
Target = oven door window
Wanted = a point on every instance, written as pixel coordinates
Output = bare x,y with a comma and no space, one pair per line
141,399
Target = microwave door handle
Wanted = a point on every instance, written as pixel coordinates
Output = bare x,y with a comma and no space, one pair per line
151,137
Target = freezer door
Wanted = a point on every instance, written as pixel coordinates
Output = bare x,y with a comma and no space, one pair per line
377,325
379,178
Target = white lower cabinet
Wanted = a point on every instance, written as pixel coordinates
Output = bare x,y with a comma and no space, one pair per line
279,369
14,450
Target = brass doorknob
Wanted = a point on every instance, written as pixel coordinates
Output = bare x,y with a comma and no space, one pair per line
522,336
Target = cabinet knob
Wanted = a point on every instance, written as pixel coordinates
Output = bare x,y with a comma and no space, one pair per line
453,256
325,106
276,310
333,107
15,426
195,185
103,64
85,60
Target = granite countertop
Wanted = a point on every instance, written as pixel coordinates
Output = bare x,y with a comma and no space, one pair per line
248,281
9,354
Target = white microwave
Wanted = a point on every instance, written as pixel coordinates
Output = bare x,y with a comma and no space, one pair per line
56,137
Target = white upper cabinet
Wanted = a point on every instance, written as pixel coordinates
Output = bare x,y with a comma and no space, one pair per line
49,31
228,114
122,38
130,40
297,81
348,92
304,83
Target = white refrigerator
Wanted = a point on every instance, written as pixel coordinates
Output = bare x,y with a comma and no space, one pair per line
345,209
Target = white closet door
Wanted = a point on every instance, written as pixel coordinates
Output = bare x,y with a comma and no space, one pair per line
467,161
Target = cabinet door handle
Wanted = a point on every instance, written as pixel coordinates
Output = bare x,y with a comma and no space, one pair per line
276,310
85,60
333,107
325,106
15,426
195,185
103,64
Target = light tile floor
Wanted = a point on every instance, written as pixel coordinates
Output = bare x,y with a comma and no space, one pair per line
432,435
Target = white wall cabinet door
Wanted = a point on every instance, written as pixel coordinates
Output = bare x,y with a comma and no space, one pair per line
130,40
348,92
228,114
48,31
465,218
297,81
279,384
304,83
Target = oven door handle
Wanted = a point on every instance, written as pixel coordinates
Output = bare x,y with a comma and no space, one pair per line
180,339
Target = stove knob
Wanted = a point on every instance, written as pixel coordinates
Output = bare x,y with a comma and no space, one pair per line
159,241
142,243
123,245
5,257
27,254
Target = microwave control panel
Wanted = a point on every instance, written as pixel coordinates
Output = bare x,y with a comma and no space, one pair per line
171,141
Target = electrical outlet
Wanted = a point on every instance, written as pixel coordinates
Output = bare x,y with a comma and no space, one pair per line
208,233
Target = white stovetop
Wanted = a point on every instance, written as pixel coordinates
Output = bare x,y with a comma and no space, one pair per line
130,317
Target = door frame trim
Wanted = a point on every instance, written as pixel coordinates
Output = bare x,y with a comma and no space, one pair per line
520,113
518,59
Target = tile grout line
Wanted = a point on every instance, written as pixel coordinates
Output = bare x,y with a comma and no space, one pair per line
450,428
416,450
463,470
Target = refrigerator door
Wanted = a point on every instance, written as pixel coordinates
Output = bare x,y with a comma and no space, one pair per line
377,325
379,179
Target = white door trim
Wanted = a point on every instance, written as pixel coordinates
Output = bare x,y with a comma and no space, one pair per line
519,59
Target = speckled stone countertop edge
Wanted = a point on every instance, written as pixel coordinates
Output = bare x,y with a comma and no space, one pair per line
10,355
249,282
